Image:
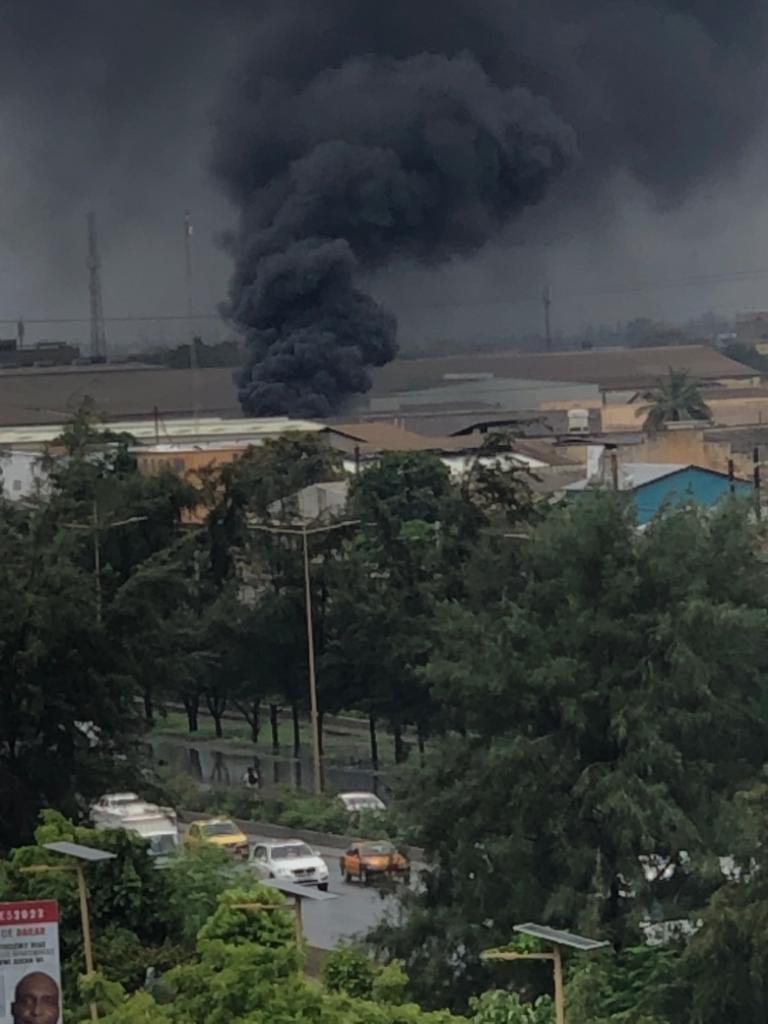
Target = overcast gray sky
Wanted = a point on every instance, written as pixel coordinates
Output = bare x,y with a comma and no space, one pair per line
115,113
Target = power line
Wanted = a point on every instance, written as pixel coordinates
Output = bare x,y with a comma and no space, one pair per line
111,319
734,277
618,289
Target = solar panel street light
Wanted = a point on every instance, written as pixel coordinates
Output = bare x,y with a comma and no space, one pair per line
557,940
88,853
299,894
80,855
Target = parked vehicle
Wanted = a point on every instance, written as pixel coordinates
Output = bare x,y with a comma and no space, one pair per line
221,832
367,860
361,801
290,860
158,825
113,807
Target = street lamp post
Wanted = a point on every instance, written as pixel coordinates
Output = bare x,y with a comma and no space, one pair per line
557,940
305,532
313,709
298,894
80,855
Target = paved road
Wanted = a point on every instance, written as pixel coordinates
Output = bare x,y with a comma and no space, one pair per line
356,910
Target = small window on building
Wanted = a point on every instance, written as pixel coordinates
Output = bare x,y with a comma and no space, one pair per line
17,485
178,465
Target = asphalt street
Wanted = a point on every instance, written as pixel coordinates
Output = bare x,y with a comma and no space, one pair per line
357,909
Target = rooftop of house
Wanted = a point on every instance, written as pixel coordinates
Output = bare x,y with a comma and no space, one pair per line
639,474
375,437
386,436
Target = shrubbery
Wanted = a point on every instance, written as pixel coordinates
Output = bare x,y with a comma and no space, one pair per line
280,807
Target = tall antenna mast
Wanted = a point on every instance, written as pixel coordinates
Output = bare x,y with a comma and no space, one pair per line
546,299
98,333
188,232
193,362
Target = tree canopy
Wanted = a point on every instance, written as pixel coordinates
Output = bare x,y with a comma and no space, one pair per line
596,728
577,710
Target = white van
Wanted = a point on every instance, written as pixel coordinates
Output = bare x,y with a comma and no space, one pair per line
158,825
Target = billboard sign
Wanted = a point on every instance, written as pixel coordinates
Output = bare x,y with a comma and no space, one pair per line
30,972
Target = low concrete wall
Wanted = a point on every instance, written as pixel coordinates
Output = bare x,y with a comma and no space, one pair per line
415,853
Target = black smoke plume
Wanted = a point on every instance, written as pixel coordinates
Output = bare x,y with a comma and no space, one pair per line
364,134
421,158
111,102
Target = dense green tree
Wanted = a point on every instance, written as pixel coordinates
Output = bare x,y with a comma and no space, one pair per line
95,489
419,543
257,489
66,706
247,971
638,985
141,917
608,712
723,972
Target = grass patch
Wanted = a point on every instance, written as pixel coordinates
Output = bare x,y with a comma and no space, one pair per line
174,723
339,747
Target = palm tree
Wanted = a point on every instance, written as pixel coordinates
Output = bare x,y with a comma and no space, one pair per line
674,398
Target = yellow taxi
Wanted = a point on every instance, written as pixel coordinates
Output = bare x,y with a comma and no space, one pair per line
367,860
221,832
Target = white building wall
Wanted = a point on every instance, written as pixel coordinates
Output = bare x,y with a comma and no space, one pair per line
21,475
461,462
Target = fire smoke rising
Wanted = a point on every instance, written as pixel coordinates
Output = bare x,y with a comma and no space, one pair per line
383,140
381,159
355,134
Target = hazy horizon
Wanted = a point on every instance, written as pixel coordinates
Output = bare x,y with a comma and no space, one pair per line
618,253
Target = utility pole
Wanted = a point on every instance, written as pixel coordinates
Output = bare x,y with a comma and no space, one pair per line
98,332
193,361
313,710
614,469
546,299
304,531
96,527
757,483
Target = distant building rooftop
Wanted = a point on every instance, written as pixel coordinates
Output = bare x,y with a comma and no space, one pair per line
634,474
382,436
122,391
177,433
607,368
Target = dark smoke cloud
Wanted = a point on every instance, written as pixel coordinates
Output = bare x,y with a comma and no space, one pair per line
364,134
381,159
108,104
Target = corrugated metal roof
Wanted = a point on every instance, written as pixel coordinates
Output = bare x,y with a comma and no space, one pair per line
120,392
637,474
606,367
386,437
173,431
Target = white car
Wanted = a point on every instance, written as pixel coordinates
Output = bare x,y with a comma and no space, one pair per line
357,802
290,860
